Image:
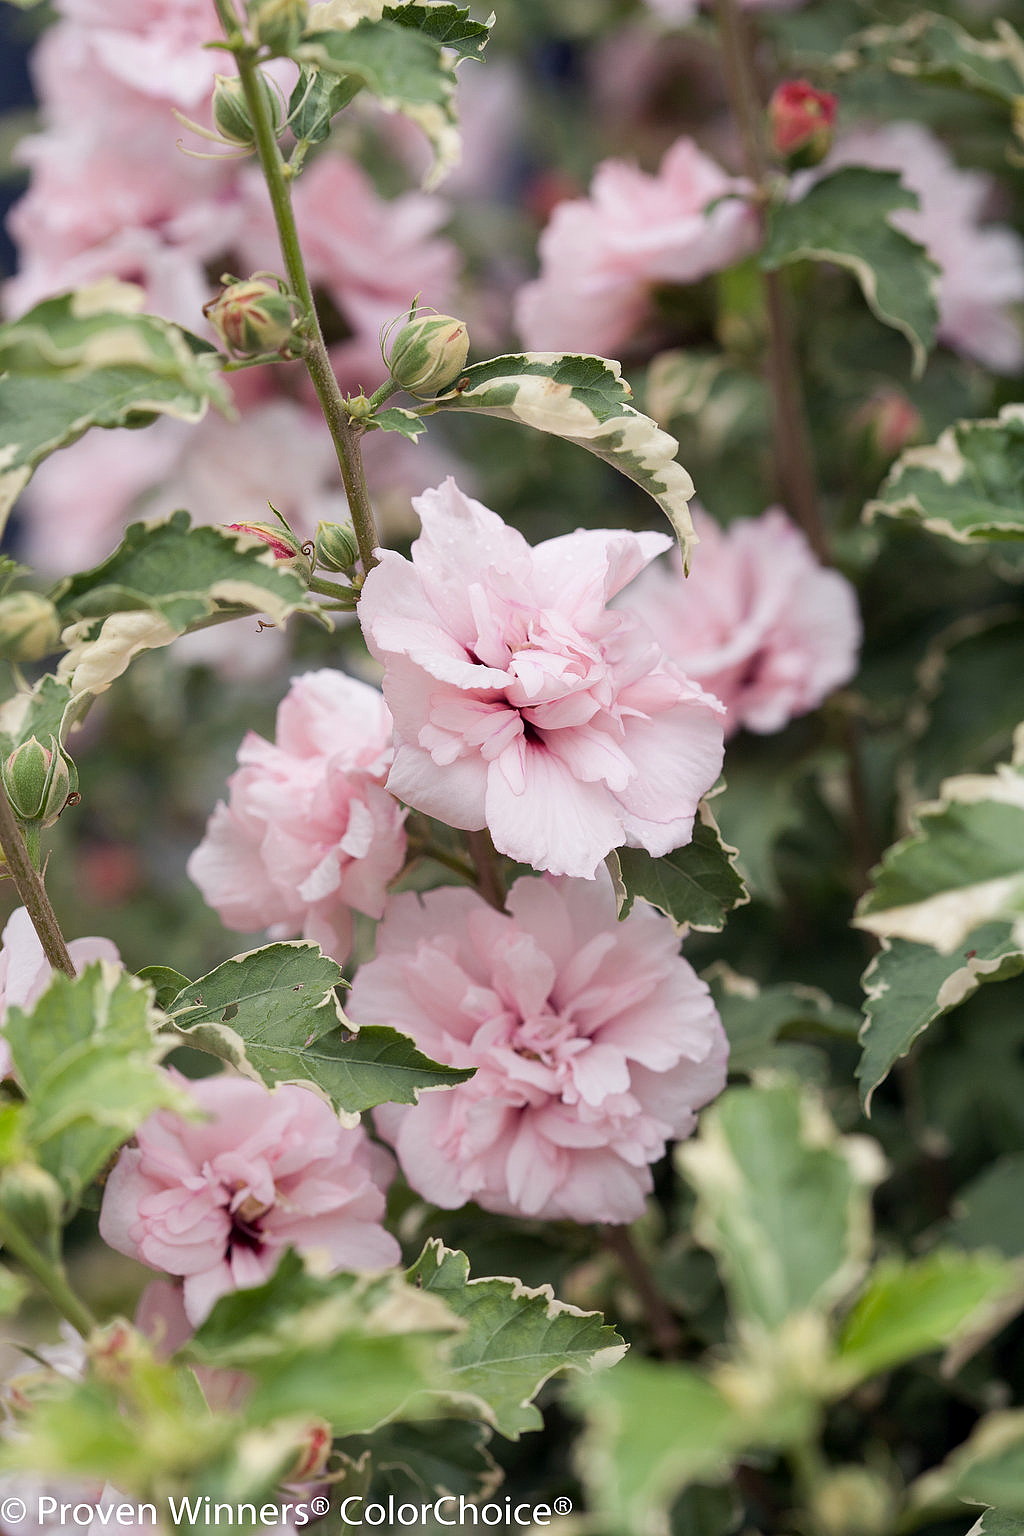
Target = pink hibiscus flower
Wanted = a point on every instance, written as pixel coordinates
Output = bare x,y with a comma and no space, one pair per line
761,625
601,256
522,703
25,972
218,1200
594,1043
309,833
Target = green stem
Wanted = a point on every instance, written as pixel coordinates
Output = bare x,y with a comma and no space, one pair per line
448,860
666,1333
49,1277
277,174
333,589
386,390
794,459
32,891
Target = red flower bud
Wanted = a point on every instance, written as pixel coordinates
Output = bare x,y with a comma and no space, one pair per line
802,120
887,423
282,543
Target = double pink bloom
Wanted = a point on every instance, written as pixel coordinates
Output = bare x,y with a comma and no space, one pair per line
522,703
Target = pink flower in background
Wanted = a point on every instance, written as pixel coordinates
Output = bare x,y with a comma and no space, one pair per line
594,1044
600,256
760,623
309,833
982,264
25,971
218,1200
522,703
372,255
154,46
679,11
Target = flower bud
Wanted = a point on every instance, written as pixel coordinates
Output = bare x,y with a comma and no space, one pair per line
29,626
254,316
314,1449
277,24
852,1501
802,120
886,424
231,115
31,1198
336,546
38,780
429,353
282,543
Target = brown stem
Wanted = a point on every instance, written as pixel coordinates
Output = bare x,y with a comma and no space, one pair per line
665,1331
32,891
485,861
794,459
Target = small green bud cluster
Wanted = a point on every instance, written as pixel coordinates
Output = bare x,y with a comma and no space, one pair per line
29,626
429,353
277,25
231,116
31,1198
255,315
39,780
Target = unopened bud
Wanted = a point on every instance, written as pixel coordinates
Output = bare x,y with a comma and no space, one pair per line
254,316
283,544
336,546
278,24
886,424
231,115
802,122
852,1501
429,353
38,780
29,626
313,1453
116,1350
31,1198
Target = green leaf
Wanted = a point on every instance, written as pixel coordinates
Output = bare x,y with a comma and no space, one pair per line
450,25
988,1468
586,401
515,1338
965,715
755,1018
909,1309
404,69
996,1522
908,986
988,1212
697,886
165,981
315,100
350,1349
164,577
961,866
967,486
844,219
272,1013
394,419
41,711
651,1430
417,1462
88,359
782,1201
933,47
87,1056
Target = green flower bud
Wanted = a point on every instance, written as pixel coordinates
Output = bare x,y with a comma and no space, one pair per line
254,316
429,353
231,116
38,780
278,24
29,626
31,1198
336,546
